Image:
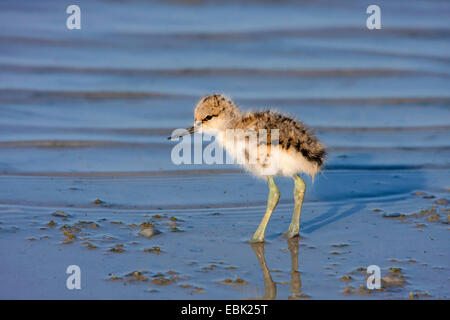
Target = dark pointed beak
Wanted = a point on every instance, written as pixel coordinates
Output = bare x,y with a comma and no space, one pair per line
192,129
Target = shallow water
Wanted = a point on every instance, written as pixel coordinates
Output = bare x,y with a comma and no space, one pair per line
85,115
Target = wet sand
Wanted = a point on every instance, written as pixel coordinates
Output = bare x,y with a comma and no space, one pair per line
86,176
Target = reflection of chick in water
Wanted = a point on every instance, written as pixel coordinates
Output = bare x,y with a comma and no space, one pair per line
270,287
296,282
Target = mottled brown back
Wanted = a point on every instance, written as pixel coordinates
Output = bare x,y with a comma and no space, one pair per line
292,133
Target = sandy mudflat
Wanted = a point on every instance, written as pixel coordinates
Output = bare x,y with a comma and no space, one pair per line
205,242
86,176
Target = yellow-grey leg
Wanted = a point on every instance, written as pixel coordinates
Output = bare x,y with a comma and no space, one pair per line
272,201
299,194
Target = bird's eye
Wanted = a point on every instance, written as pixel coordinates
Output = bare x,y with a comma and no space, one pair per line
207,118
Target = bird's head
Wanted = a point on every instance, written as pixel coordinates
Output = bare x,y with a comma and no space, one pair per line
212,113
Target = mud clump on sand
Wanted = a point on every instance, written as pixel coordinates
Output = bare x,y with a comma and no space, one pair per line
418,295
70,236
237,282
209,268
339,245
361,290
396,278
149,232
358,270
431,215
118,248
114,278
346,278
61,214
89,245
441,201
161,280
69,233
148,228
171,272
393,215
98,201
145,225
154,249
171,224
434,217
137,276
190,286
388,281
87,224
51,223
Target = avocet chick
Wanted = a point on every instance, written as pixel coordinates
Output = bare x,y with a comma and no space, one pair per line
266,143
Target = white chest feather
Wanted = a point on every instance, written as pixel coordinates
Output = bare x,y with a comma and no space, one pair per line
265,161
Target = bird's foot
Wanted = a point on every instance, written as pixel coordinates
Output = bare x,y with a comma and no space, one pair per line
258,236
292,232
256,239
291,235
